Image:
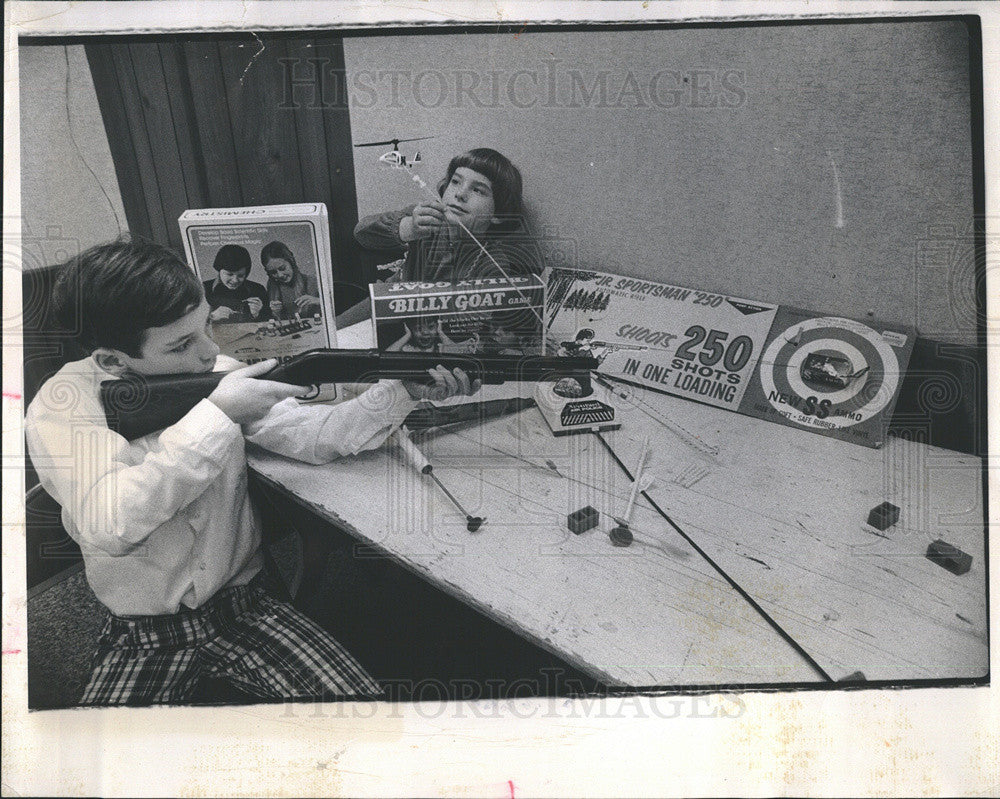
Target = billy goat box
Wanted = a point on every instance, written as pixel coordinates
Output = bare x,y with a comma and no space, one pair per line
490,316
267,275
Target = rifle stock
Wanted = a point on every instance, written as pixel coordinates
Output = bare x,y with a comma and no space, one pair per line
137,405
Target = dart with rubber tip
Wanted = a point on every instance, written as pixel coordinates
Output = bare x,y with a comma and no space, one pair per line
621,535
422,465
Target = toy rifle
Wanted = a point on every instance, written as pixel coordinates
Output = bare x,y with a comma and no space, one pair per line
137,405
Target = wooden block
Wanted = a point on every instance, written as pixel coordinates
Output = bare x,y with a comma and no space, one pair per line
579,521
949,557
883,516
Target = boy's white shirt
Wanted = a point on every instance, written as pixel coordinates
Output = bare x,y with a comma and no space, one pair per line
165,521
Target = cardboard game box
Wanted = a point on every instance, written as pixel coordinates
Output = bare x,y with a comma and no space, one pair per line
488,316
829,375
495,316
694,344
267,276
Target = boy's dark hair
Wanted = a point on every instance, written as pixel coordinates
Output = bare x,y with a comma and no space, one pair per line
232,258
503,175
277,249
115,292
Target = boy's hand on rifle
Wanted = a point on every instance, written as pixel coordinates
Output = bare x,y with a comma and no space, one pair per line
425,220
245,399
446,384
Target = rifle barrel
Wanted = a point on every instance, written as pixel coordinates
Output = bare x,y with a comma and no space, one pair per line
137,405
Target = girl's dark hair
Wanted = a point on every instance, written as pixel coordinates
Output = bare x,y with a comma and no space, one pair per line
277,249
113,293
232,258
503,175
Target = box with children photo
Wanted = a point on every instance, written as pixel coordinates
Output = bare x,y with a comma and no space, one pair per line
267,276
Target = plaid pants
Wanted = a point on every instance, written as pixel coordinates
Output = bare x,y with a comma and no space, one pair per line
261,645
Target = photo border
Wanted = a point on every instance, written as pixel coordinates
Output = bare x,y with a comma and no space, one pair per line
850,741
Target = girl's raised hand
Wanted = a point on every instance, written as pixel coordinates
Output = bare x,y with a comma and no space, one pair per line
425,220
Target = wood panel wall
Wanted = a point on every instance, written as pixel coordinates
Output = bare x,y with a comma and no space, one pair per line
229,121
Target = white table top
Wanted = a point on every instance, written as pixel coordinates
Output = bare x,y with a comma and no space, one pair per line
783,511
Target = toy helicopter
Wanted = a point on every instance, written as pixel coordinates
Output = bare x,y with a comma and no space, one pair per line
394,157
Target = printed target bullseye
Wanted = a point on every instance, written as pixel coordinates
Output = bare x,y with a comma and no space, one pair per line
829,372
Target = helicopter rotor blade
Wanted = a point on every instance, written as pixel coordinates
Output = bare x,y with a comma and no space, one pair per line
393,142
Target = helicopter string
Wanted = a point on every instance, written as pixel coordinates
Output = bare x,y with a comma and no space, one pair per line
687,436
423,184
